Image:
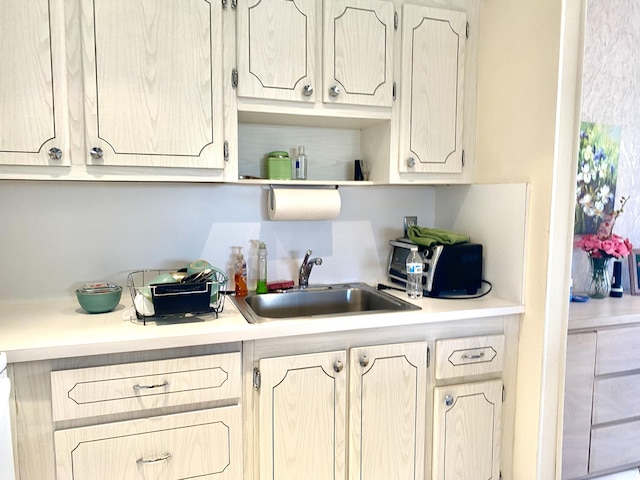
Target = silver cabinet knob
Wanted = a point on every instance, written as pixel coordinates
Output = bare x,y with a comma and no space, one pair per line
411,162
96,153
364,361
334,91
307,90
338,366
55,153
448,400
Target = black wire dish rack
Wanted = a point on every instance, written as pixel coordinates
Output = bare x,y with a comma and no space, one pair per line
176,301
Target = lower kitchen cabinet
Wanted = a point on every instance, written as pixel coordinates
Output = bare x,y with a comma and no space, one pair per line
466,431
201,444
303,413
601,419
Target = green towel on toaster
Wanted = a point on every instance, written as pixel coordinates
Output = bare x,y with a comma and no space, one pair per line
434,236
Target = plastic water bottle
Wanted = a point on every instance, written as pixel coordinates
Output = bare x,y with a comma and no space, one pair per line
414,273
262,269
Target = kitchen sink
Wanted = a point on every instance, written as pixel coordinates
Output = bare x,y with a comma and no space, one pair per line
318,301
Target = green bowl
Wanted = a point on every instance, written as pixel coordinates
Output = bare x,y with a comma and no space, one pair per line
99,301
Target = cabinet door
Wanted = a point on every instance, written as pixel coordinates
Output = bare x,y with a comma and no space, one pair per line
33,99
432,89
200,444
358,46
387,404
152,75
302,426
277,41
466,431
578,400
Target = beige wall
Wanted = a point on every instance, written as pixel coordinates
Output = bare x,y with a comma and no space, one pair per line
525,133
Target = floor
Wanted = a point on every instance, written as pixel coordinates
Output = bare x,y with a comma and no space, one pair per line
628,475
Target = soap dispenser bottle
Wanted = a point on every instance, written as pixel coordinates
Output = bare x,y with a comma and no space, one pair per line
300,169
240,273
261,286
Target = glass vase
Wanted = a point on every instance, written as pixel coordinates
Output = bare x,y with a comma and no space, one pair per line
600,283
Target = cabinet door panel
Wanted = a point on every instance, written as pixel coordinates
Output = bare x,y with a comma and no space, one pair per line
358,46
33,98
387,405
578,392
202,444
433,47
277,48
466,433
302,403
153,82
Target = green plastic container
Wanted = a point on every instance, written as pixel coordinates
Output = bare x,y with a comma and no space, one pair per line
278,166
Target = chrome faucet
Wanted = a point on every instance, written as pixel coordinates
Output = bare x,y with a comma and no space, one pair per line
305,269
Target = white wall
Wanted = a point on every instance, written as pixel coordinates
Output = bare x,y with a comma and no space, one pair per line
57,235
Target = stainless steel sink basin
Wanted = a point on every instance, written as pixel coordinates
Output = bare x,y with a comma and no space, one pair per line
329,300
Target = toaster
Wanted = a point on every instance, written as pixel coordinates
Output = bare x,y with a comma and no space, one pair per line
454,269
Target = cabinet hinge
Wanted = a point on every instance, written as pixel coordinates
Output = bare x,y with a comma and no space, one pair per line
225,3
234,78
428,357
256,378
394,92
504,394
467,31
395,21
225,151
463,158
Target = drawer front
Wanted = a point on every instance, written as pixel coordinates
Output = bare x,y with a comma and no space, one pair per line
616,398
462,357
614,446
618,350
201,444
88,392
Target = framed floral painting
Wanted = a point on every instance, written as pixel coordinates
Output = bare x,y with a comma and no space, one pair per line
597,175
634,271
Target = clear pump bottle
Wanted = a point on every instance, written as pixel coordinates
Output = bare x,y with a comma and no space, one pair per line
300,165
261,286
414,273
240,273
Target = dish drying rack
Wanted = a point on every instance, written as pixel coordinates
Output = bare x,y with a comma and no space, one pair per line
175,300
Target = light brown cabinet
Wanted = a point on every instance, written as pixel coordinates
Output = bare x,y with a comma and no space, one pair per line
601,426
33,93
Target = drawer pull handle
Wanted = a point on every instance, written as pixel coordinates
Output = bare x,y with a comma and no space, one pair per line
145,461
148,387
472,356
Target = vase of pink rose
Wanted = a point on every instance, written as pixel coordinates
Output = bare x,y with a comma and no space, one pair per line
601,248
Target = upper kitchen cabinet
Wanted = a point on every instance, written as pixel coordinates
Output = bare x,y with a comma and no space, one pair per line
152,75
333,52
432,90
33,98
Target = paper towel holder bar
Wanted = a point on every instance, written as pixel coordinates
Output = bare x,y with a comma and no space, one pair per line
309,187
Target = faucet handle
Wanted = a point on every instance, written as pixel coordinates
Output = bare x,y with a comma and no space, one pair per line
307,254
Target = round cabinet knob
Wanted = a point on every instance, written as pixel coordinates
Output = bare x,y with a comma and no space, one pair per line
55,153
411,162
338,366
307,90
364,361
96,153
334,91
448,400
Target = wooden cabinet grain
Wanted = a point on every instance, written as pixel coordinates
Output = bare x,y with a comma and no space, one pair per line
153,83
336,51
33,88
303,413
432,90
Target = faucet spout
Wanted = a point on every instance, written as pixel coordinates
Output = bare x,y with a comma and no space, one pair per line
306,267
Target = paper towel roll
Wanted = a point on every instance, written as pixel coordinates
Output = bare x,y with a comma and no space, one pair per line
303,203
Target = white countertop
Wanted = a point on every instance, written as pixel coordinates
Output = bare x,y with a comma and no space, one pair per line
47,329
605,312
